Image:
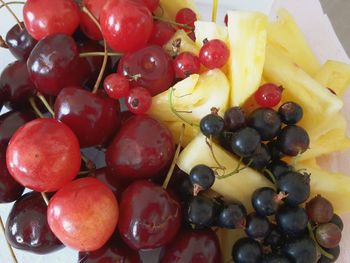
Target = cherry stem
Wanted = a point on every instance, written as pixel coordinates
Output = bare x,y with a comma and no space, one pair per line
46,200
8,244
12,13
214,11
3,43
173,110
210,145
270,174
99,54
105,53
12,3
176,156
46,104
322,251
173,22
35,108
89,164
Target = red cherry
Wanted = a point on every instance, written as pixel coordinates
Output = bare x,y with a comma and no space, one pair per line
214,54
268,95
151,4
186,16
141,149
116,85
43,155
149,216
193,246
126,24
86,24
186,64
139,100
94,119
161,33
152,68
43,18
83,214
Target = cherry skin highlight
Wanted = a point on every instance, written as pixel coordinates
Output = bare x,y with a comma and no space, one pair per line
43,18
43,155
116,85
83,214
214,54
139,100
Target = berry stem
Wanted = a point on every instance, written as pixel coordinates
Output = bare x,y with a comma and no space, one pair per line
105,53
237,170
35,108
12,13
99,54
3,43
214,11
272,177
8,244
46,104
210,145
173,22
176,156
46,200
322,251
12,3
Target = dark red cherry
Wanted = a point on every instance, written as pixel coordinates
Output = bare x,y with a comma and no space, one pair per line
93,118
27,227
86,24
161,33
115,251
193,246
149,217
16,84
152,66
103,176
54,64
19,41
141,149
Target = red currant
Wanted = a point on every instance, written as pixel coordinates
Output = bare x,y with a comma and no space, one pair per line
186,16
139,100
268,95
151,4
186,64
116,85
214,54
161,33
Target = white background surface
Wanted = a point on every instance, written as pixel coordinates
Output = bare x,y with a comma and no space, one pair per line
309,16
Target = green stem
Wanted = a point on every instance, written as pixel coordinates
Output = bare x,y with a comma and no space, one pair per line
35,108
237,170
214,11
46,104
99,54
12,3
270,174
322,251
46,200
12,13
173,23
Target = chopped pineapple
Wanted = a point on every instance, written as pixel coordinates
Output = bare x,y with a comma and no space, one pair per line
228,237
209,30
169,9
193,98
176,127
317,101
239,186
334,75
247,39
185,44
286,35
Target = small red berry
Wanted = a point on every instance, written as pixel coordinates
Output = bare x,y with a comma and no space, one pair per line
186,16
268,95
214,54
139,100
116,85
161,33
186,64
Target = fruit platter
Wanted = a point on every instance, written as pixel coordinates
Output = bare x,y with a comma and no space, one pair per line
172,131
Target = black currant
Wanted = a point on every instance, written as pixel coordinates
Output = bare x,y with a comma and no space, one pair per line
302,250
278,167
245,142
319,210
337,221
201,211
275,258
257,227
290,112
266,121
234,119
293,140
328,235
292,220
259,159
232,216
275,153
275,238
202,178
212,125
265,201
247,250
335,252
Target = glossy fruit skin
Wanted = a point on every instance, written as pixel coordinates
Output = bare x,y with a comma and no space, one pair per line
260,158
279,167
85,205
290,112
16,84
333,251
34,159
153,64
245,142
275,153
292,220
139,100
264,201
141,149
54,64
202,176
275,259
201,211
293,140
102,174
275,238
234,119
268,95
328,235
212,125
149,216
257,227
186,16
232,216
266,121
338,221
186,64
114,251
86,24
193,246
116,85
27,227
43,19
19,41
94,119
247,250
126,25
214,54
319,210
302,250
151,4
161,33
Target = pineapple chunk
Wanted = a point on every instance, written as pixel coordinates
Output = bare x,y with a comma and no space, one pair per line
334,75
170,8
286,35
239,186
247,39
186,44
209,30
176,128
317,101
228,237
193,97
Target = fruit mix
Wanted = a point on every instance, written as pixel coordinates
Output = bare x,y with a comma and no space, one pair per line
208,135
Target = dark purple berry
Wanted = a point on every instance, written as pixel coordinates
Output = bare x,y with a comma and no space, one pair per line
290,112
266,121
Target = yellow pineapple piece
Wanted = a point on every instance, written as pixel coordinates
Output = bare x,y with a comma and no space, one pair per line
239,186
334,75
185,44
169,8
193,98
285,34
228,237
176,128
209,30
247,40
317,101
